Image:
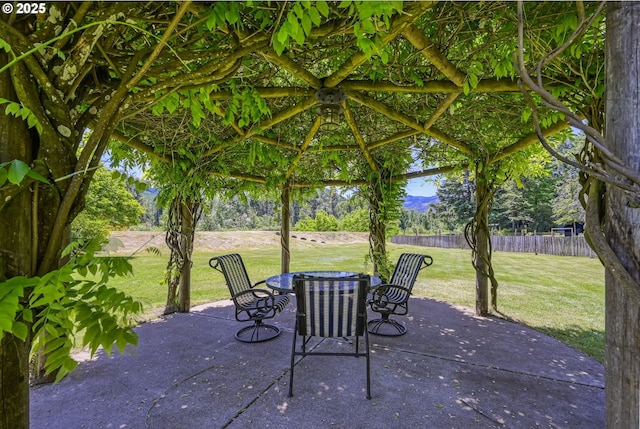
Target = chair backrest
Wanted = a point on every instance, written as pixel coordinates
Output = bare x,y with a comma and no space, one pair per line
331,306
235,274
407,269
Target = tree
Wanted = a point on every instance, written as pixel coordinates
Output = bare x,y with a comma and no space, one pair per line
456,205
355,221
108,204
53,73
567,209
528,205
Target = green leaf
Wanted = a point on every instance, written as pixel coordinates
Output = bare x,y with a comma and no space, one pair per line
323,8
231,16
473,80
283,34
4,45
27,315
20,330
293,22
37,176
12,109
306,24
384,56
314,15
17,171
299,35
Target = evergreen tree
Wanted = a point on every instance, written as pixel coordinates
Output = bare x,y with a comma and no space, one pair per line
457,203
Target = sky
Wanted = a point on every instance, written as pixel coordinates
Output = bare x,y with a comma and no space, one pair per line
420,188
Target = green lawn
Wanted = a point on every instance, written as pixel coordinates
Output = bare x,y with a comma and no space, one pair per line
560,296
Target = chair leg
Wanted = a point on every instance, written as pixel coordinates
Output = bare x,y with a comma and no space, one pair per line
257,333
293,355
378,327
366,344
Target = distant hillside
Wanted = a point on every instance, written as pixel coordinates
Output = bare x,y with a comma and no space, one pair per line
420,204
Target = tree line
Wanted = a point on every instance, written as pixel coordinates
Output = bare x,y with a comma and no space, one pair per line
532,204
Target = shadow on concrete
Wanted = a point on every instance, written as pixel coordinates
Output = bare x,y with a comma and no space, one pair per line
451,370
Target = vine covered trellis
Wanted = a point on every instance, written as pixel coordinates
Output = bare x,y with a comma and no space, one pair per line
223,97
435,83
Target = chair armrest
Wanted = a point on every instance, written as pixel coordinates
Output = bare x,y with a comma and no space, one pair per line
389,293
259,283
262,298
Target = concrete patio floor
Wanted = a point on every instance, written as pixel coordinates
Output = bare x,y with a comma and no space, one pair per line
451,370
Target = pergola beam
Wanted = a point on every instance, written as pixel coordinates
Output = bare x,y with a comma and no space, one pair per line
268,92
430,87
440,61
358,136
344,183
292,67
413,11
394,138
276,143
442,107
138,145
305,145
276,119
527,141
240,176
400,117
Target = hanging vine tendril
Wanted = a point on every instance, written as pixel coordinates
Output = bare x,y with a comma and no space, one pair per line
599,167
384,198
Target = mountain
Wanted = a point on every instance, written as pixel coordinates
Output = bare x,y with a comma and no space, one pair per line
420,204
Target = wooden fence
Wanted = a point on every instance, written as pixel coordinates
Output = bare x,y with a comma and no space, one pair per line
545,244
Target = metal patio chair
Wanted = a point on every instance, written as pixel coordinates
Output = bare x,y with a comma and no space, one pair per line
251,304
393,298
331,307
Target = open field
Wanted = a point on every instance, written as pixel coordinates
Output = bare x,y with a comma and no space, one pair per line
560,296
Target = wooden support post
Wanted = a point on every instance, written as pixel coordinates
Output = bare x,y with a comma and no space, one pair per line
285,228
187,234
622,218
482,253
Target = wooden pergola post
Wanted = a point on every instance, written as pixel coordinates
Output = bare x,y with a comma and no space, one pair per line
621,229
482,252
285,228
187,231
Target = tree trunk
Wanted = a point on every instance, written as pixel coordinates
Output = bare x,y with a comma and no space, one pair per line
16,259
622,216
14,355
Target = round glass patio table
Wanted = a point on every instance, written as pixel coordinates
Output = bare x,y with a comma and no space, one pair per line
284,282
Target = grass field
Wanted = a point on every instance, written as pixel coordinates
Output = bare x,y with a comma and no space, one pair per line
560,296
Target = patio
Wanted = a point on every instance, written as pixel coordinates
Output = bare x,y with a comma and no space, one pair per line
451,370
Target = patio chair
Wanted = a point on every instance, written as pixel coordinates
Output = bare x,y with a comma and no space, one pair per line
251,304
330,307
393,298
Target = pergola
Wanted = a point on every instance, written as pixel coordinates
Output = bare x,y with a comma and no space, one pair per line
433,90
